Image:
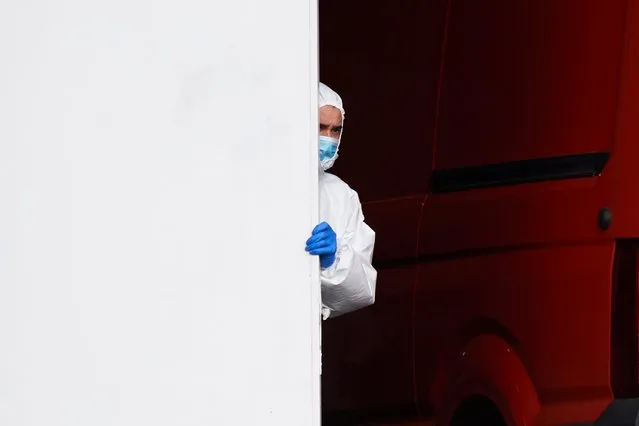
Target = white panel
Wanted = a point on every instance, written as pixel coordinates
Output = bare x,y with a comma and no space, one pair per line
158,179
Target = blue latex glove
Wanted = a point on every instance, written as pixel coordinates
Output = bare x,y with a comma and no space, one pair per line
323,242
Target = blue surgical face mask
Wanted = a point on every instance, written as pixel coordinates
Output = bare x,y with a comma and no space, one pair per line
327,151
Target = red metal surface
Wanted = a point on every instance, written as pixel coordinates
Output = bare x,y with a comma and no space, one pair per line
624,164
551,305
519,279
526,79
489,366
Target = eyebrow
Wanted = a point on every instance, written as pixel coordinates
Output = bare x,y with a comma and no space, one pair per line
324,126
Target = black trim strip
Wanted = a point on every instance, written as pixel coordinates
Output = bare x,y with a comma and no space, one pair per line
519,172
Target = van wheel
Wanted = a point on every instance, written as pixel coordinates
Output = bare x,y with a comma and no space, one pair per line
477,411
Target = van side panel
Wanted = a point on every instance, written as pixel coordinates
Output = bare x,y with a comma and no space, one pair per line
551,304
529,79
522,81
529,263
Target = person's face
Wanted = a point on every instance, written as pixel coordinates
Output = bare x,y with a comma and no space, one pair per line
330,119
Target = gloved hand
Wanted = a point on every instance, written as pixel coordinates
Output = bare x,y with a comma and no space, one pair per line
323,242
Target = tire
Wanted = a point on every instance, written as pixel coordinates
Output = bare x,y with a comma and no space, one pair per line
477,411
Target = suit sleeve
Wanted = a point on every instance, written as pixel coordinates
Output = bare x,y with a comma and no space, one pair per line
349,284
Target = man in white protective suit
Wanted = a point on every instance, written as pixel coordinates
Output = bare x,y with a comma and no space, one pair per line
343,241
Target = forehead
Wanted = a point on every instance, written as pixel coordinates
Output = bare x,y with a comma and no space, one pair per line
328,114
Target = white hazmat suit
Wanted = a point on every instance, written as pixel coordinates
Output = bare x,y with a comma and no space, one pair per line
349,284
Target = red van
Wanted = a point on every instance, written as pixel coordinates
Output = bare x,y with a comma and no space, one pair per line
495,145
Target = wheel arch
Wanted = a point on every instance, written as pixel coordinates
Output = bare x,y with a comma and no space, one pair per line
484,361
